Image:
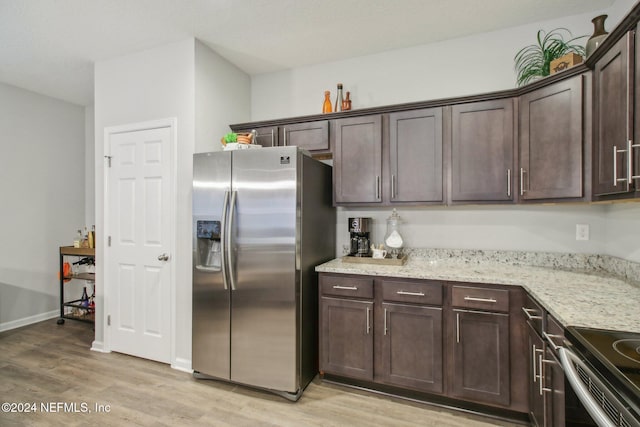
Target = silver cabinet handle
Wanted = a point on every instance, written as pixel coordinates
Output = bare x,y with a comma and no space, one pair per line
230,259
616,180
509,182
223,239
629,161
368,321
540,372
533,363
385,321
413,294
393,186
550,338
457,327
474,299
377,187
285,137
522,172
631,148
529,316
346,288
163,257
615,166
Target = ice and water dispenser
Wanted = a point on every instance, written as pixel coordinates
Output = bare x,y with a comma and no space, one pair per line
208,255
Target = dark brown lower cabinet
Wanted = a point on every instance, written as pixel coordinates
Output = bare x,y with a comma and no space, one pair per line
346,336
481,370
536,387
554,390
411,346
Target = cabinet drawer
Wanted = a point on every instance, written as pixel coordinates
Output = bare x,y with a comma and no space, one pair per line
428,293
554,331
481,298
534,313
355,287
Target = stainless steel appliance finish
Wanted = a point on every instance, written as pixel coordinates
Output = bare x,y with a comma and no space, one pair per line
603,368
259,219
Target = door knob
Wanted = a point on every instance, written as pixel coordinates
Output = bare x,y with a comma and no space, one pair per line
163,257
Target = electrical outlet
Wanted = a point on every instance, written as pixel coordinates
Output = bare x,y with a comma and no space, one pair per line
582,231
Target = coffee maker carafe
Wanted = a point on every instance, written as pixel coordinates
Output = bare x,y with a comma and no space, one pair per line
359,229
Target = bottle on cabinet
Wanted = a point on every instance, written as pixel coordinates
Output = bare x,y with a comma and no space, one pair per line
84,299
346,104
326,106
339,99
77,241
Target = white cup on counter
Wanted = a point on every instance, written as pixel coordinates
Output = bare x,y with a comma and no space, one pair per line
379,253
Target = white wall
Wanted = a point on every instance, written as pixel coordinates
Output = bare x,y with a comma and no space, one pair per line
526,228
150,85
623,231
42,187
223,97
469,65
464,66
89,164
188,81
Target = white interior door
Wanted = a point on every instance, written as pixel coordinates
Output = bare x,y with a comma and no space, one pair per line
138,261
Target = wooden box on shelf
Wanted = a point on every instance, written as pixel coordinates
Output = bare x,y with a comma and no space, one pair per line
564,62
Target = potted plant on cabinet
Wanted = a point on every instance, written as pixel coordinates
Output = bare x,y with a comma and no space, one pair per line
533,61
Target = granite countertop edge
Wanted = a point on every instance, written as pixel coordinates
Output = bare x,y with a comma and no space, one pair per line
582,293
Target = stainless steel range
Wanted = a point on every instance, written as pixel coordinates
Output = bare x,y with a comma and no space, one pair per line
603,368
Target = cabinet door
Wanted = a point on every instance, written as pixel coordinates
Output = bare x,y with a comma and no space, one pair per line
536,392
312,136
357,161
553,390
266,136
480,365
346,337
416,155
482,151
613,115
412,346
551,141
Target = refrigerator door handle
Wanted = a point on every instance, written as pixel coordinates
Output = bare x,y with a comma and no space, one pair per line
223,235
230,259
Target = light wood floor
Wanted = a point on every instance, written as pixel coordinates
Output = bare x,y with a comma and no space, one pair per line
45,364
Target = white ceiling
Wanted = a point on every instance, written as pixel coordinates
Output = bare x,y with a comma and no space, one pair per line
49,46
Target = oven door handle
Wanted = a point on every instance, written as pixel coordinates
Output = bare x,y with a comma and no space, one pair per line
567,359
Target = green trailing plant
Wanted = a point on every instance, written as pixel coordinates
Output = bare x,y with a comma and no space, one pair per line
534,60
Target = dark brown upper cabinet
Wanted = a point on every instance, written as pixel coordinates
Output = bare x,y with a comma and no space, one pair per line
415,156
613,119
312,136
357,160
482,148
551,142
266,136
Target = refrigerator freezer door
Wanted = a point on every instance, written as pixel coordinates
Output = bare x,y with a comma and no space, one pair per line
211,298
264,314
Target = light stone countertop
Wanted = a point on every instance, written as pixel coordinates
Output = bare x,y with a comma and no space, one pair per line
585,295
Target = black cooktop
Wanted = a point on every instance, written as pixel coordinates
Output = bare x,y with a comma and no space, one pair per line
615,355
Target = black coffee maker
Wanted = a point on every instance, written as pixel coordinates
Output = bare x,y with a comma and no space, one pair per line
359,229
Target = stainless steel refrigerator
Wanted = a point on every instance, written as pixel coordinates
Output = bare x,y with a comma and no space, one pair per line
262,220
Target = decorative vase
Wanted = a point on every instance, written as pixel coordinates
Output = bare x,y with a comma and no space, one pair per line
598,36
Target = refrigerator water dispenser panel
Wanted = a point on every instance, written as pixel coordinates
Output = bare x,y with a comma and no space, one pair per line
208,236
